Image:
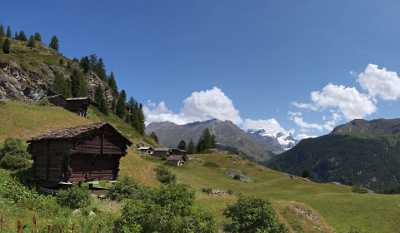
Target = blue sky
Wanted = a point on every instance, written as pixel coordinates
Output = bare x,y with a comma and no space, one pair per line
263,55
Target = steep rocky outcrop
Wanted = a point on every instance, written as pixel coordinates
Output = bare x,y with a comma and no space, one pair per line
28,74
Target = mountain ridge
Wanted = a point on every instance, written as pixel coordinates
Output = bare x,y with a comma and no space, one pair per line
360,152
227,135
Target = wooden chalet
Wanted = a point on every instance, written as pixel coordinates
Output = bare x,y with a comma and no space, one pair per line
72,155
78,105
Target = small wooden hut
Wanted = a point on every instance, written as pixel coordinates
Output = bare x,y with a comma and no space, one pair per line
161,152
78,105
176,160
83,153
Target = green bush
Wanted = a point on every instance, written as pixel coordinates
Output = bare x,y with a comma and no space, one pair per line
14,146
127,188
206,190
13,155
13,162
170,210
74,197
252,215
165,176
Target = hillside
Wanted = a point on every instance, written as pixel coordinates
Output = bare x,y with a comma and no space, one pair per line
28,73
364,153
227,134
303,205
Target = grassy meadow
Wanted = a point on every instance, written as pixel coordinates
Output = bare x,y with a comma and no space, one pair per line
304,206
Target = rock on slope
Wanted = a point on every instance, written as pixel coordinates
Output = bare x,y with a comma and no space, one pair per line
28,73
228,135
361,152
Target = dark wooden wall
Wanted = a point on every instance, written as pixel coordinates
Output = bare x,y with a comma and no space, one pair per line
82,159
49,160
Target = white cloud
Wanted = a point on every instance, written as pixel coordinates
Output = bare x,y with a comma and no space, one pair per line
332,122
270,126
351,103
208,104
379,82
308,106
199,106
160,112
297,118
304,136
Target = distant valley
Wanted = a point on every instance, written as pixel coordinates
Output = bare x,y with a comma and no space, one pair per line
254,144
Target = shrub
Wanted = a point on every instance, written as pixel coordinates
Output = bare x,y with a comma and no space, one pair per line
14,162
178,198
305,174
75,197
252,215
164,213
359,189
13,154
206,190
44,102
14,146
165,176
127,188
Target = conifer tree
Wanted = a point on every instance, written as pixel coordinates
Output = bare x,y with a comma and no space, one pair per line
54,43
37,37
99,69
112,83
2,32
120,108
141,119
6,46
181,145
16,36
8,34
190,147
78,84
22,36
31,42
206,141
85,64
100,100
61,85
154,137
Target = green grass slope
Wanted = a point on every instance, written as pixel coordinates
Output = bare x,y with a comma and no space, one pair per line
371,161
305,206
338,206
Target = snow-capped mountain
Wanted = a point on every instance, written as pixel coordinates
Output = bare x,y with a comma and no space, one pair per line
278,142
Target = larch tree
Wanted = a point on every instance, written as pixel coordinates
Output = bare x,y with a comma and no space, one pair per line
100,100
54,44
2,32
31,42
8,33
121,107
37,37
182,145
7,46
